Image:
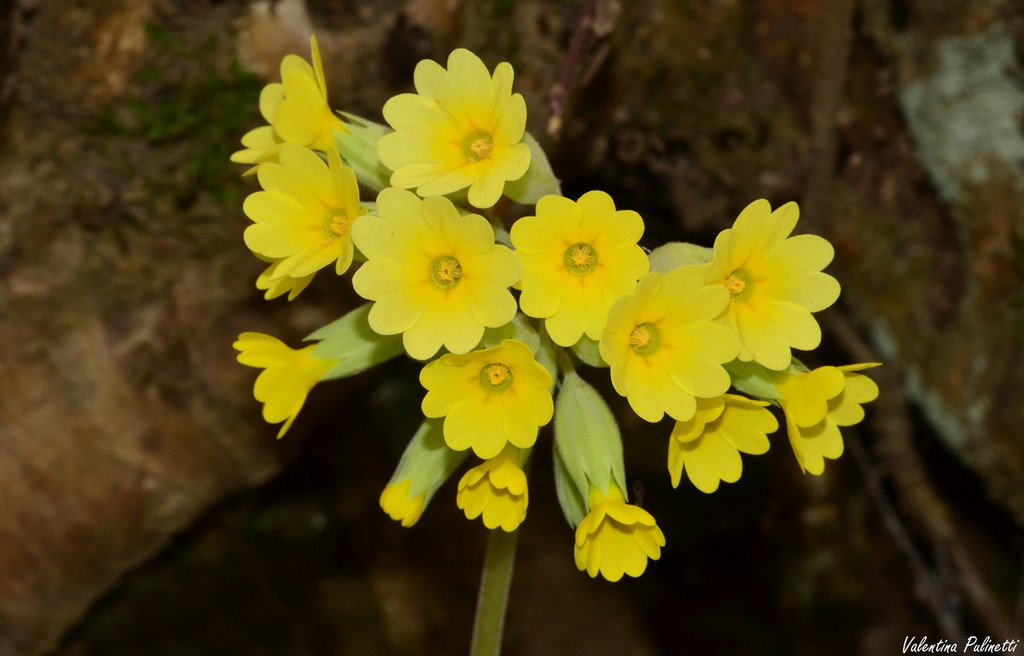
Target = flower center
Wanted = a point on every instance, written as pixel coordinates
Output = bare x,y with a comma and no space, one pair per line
739,284
580,259
495,377
480,149
645,339
338,222
445,272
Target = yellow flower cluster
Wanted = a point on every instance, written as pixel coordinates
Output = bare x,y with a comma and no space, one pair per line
500,320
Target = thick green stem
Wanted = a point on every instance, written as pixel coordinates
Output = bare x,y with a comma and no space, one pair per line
493,599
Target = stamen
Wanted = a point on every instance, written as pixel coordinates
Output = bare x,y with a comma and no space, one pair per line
580,259
445,272
339,223
581,255
481,149
449,271
495,377
497,373
645,339
640,337
734,284
739,285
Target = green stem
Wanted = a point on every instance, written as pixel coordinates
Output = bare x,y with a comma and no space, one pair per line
493,599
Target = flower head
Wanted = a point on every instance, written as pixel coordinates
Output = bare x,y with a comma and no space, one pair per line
437,277
287,377
296,109
708,446
663,346
497,490
775,282
616,538
463,128
816,404
577,259
489,398
303,218
401,507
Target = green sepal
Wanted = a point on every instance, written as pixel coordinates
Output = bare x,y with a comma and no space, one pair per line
538,181
351,340
358,147
574,506
753,380
518,329
587,437
427,461
675,254
588,351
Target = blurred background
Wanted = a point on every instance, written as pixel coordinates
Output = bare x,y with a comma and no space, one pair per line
145,508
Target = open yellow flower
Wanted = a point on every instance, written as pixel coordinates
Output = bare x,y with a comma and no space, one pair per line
497,490
664,347
399,506
463,128
436,277
489,398
287,377
816,404
577,258
708,446
775,283
303,218
296,109
616,538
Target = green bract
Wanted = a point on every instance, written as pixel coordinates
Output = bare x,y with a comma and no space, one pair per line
587,438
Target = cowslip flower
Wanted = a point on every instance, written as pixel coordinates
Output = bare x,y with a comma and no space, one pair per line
488,398
396,501
497,490
775,282
436,277
616,537
303,218
296,109
462,128
816,404
577,258
287,377
708,446
663,346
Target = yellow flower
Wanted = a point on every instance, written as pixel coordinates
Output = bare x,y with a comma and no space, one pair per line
616,538
296,109
288,375
663,346
775,283
488,398
708,446
816,403
395,501
278,286
437,277
304,218
497,489
463,129
577,259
